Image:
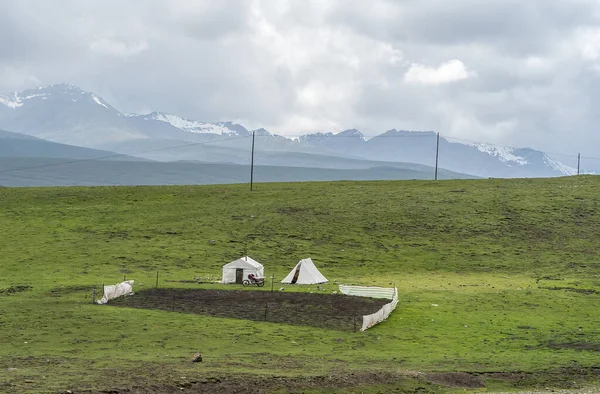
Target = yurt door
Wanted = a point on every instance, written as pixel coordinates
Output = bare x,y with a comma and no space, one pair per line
296,275
239,275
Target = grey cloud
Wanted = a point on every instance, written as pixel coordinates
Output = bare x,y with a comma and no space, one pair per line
515,26
528,27
213,20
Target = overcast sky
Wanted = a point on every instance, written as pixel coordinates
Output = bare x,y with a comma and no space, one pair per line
514,72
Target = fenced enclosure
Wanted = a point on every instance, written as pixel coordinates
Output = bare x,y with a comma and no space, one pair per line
331,311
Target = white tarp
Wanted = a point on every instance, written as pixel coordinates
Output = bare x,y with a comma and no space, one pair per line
374,292
247,265
305,273
379,316
368,291
118,290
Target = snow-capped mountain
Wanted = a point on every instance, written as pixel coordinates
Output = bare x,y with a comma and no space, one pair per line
62,92
66,114
194,126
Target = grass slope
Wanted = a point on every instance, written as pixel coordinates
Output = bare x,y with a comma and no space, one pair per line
493,276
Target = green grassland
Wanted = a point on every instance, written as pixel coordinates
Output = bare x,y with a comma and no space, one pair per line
493,276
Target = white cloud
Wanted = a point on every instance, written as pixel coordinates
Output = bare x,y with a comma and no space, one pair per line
588,42
448,72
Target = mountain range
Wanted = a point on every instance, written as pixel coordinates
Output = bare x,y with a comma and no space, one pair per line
65,114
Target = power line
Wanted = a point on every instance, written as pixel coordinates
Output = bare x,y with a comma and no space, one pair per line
416,135
119,155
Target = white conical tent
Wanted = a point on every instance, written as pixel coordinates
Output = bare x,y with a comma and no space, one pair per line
237,271
305,273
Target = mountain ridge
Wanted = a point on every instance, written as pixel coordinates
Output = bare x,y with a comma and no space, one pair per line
64,113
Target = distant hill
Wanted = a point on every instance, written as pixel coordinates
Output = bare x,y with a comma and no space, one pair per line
58,172
17,145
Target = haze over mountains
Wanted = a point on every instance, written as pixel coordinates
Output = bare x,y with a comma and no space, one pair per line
65,114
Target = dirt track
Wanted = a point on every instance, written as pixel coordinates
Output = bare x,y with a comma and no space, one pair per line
337,311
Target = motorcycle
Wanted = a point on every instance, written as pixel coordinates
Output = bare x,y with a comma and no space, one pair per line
253,280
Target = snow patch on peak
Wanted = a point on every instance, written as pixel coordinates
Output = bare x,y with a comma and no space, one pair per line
558,166
17,100
503,153
188,125
11,102
43,96
176,121
99,102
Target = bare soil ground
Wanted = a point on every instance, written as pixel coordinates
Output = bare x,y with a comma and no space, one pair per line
402,382
332,311
382,382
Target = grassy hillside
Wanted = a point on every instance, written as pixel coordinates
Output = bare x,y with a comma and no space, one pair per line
493,276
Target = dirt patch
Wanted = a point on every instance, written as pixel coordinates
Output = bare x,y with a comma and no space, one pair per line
592,347
507,376
573,289
338,311
455,379
14,290
274,384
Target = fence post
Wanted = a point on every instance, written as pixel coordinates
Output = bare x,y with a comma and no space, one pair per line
578,162
156,286
437,152
94,295
252,164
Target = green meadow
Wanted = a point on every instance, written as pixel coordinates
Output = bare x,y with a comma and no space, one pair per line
496,278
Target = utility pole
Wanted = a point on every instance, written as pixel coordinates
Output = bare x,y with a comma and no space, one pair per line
578,162
437,152
252,164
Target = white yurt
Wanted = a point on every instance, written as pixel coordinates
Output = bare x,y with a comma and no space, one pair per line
237,271
305,273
